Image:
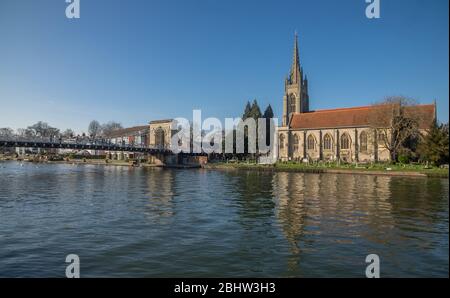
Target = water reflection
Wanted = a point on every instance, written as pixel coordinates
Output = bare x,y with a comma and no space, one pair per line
343,200
290,210
198,223
160,193
336,210
254,196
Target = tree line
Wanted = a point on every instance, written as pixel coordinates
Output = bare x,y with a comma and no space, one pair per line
396,130
44,130
252,110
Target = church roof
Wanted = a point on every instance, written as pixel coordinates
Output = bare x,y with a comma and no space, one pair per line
357,117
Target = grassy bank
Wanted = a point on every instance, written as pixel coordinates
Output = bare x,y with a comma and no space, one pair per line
374,169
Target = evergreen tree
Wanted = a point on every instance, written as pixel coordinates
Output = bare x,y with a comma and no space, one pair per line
255,111
435,145
268,113
247,111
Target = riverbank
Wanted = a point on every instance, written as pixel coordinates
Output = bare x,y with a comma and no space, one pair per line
376,169
102,162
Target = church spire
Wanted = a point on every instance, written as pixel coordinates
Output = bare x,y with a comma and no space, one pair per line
295,99
295,69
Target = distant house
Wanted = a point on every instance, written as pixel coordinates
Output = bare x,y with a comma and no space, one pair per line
137,136
23,151
133,136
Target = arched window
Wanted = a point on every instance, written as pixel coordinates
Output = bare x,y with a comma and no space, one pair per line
281,141
345,141
363,142
327,143
159,137
311,142
381,137
296,142
291,103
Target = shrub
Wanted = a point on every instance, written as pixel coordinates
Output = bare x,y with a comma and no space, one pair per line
435,145
403,158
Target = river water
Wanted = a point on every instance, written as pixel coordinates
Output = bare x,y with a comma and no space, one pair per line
152,222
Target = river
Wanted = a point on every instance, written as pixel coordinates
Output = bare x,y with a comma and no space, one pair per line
154,222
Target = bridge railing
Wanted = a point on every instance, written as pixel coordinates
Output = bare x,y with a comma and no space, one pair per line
80,141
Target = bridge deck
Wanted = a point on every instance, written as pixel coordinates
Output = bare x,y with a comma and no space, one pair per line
79,146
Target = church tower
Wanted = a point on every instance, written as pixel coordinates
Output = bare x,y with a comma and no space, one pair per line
296,98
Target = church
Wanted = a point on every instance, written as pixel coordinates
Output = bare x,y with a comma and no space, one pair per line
345,134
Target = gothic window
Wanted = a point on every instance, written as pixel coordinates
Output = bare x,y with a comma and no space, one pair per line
327,143
296,142
363,142
281,141
345,142
381,137
291,103
311,142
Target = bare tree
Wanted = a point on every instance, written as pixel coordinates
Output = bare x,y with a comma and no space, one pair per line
394,121
111,126
68,133
25,132
6,132
38,129
42,129
94,128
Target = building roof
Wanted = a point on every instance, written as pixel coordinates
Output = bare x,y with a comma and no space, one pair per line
357,117
124,132
161,121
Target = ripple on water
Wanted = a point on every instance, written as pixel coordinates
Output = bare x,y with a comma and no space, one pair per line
195,223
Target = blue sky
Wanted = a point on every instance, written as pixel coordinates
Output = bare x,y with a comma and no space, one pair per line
141,60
